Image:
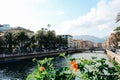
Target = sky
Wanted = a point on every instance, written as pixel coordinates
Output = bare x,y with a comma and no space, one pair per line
74,17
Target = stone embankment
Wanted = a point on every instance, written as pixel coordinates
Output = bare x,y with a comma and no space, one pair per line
113,56
15,57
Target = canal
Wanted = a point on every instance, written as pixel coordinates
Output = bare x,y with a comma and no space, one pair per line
19,70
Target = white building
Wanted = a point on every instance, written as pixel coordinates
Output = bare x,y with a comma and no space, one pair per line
4,27
69,39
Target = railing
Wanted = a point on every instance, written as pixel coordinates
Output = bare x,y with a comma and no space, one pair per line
113,56
5,57
23,54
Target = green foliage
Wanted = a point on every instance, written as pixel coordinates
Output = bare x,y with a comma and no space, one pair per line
47,39
22,42
88,69
9,41
43,75
117,29
63,55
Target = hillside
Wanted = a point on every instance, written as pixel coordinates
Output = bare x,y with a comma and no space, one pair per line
91,38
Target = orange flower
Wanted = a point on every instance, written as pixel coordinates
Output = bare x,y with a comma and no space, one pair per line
74,65
42,68
73,62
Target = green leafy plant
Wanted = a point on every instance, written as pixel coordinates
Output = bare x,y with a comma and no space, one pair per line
80,68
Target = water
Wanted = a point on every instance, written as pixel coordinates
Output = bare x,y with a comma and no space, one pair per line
87,55
20,70
17,70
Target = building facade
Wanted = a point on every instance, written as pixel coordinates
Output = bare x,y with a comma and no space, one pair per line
20,29
4,27
77,44
98,45
69,39
85,44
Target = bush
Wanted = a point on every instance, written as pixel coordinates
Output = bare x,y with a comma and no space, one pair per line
80,68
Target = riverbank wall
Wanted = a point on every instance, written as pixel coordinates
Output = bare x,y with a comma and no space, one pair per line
113,56
16,57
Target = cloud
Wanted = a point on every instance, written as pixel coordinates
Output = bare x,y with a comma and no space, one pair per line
102,27
34,14
22,13
59,12
102,18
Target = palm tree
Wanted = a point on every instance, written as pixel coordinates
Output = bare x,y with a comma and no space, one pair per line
32,43
1,44
9,41
50,41
22,40
59,42
62,42
118,17
41,38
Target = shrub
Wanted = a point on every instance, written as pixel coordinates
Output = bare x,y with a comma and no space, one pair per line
80,68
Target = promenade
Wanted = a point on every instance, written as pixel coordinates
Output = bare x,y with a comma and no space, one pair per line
11,57
8,57
113,56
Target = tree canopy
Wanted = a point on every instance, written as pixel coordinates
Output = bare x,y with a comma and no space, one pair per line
21,42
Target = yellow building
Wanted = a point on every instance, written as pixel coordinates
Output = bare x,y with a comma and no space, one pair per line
98,45
1,33
20,29
77,44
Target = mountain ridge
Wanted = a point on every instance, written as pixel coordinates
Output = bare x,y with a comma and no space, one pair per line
91,38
